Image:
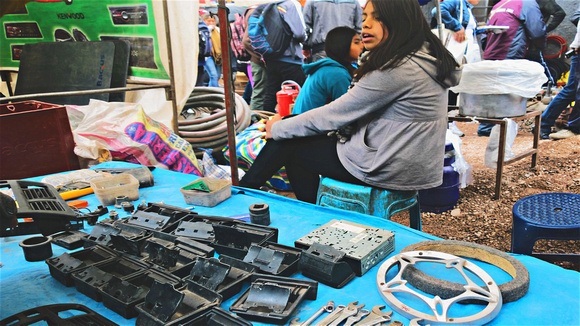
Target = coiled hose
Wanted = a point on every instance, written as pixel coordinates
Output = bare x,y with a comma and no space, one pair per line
202,121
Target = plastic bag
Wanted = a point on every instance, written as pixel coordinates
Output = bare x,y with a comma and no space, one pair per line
492,149
126,133
521,77
460,165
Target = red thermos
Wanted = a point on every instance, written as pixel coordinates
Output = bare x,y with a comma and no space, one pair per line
286,97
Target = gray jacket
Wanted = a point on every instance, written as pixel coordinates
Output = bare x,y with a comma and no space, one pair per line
400,120
321,16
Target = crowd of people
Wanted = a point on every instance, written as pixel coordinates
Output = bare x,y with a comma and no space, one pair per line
375,82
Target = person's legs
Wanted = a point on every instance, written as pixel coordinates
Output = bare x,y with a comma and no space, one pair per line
259,77
305,159
484,129
317,158
562,100
211,70
274,78
278,72
200,74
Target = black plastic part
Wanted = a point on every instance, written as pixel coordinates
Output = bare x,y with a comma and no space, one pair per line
273,299
62,266
36,248
198,230
42,203
260,214
240,272
101,235
209,273
122,296
51,315
69,239
152,221
130,240
93,216
160,304
164,305
90,280
8,220
235,239
273,258
157,217
216,316
162,252
327,265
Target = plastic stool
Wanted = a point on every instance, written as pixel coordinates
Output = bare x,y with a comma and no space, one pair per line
369,200
553,216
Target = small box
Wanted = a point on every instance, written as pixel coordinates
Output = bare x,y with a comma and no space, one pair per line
492,105
35,139
108,188
219,190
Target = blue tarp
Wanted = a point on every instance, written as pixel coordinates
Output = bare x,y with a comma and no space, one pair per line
553,297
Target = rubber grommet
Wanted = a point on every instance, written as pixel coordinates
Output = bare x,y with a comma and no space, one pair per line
36,248
510,291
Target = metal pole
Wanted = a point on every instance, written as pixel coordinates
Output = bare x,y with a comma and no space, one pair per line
171,70
228,88
440,25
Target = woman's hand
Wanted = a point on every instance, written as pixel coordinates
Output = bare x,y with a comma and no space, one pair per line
275,118
459,35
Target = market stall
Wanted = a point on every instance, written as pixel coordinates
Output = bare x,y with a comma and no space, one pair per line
552,296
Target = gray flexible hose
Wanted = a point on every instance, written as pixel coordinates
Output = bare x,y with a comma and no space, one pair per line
202,121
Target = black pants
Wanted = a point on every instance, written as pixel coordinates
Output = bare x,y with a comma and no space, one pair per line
305,159
276,73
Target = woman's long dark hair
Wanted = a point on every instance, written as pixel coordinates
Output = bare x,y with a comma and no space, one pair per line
408,30
337,46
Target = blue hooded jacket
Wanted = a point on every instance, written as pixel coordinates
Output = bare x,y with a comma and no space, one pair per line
326,80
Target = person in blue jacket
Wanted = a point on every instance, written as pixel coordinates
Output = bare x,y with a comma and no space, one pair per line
329,78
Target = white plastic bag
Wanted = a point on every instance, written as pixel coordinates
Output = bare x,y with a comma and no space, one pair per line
460,165
520,77
124,132
492,149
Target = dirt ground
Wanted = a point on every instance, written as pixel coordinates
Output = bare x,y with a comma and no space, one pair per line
479,218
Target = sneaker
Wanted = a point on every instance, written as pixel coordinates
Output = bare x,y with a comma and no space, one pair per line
455,130
562,134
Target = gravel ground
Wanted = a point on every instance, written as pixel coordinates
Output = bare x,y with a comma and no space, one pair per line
479,218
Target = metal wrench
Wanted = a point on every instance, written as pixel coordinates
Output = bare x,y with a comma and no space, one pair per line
328,307
350,310
328,319
359,315
376,317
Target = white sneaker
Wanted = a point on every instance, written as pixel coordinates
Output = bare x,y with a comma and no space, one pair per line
455,130
562,134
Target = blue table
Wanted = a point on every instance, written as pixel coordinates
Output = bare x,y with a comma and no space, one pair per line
553,297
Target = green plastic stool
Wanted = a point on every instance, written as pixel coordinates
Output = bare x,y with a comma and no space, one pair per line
369,200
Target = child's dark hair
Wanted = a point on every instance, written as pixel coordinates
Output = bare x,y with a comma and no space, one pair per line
337,46
408,31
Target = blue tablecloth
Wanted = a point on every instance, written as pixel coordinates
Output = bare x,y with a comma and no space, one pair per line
553,297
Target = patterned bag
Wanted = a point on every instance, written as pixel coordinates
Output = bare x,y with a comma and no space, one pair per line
249,143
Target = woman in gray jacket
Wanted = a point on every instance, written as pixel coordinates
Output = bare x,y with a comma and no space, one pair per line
390,126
